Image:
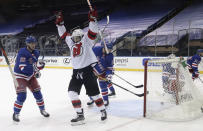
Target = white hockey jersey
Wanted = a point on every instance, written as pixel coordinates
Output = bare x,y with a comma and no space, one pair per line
82,54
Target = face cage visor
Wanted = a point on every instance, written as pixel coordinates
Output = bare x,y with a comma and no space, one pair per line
76,39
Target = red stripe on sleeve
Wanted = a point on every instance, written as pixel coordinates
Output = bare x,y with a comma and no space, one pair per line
92,35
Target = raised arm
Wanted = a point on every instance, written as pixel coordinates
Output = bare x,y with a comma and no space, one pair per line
60,25
93,27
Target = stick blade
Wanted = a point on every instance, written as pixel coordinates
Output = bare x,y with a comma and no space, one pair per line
140,95
139,86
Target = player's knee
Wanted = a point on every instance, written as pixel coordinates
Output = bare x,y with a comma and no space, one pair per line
96,97
21,97
37,95
73,95
102,84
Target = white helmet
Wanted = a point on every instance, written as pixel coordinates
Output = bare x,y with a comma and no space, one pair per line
77,35
171,56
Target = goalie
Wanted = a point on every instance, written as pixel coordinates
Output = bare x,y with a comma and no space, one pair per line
169,76
173,81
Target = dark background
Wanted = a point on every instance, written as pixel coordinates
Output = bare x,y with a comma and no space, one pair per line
23,12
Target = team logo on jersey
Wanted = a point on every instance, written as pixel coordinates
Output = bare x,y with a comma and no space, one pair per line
77,50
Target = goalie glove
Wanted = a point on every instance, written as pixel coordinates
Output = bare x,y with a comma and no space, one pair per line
37,74
92,15
59,18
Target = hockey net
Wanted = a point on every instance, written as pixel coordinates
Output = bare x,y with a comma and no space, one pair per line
170,93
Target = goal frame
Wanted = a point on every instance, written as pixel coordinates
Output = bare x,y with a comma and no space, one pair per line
145,80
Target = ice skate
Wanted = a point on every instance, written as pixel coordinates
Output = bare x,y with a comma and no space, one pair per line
106,103
44,113
103,115
112,94
90,103
16,117
79,120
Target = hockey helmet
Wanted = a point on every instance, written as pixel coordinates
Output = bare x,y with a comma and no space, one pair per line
108,45
199,51
171,56
30,39
77,35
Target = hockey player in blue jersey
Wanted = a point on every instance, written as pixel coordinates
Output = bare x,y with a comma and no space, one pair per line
27,69
169,76
193,62
104,69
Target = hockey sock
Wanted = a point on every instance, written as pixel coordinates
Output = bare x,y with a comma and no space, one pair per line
99,102
77,105
75,101
39,99
19,102
110,86
104,90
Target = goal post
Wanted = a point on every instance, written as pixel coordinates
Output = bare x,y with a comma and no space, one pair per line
169,91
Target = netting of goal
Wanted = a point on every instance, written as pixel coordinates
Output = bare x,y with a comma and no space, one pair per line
172,94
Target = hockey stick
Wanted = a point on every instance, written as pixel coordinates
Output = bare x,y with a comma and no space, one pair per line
138,86
139,95
9,66
200,79
100,33
107,23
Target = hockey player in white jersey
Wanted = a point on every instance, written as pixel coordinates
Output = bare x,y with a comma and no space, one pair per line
83,61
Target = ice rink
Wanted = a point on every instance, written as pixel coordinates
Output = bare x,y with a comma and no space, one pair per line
124,112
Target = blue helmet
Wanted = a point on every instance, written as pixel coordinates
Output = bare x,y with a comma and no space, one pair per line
30,39
109,45
199,51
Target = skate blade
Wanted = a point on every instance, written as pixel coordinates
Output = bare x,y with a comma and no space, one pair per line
77,123
89,106
114,96
16,122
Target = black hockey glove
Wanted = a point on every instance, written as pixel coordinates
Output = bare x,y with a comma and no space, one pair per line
37,74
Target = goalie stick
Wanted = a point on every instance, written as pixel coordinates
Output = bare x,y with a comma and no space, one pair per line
139,95
100,33
138,86
9,66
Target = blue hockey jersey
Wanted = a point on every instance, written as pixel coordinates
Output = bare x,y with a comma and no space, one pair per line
193,62
168,72
105,61
24,64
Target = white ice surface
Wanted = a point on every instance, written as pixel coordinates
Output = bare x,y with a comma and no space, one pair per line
124,111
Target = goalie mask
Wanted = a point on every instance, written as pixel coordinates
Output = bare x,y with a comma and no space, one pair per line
77,35
171,56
